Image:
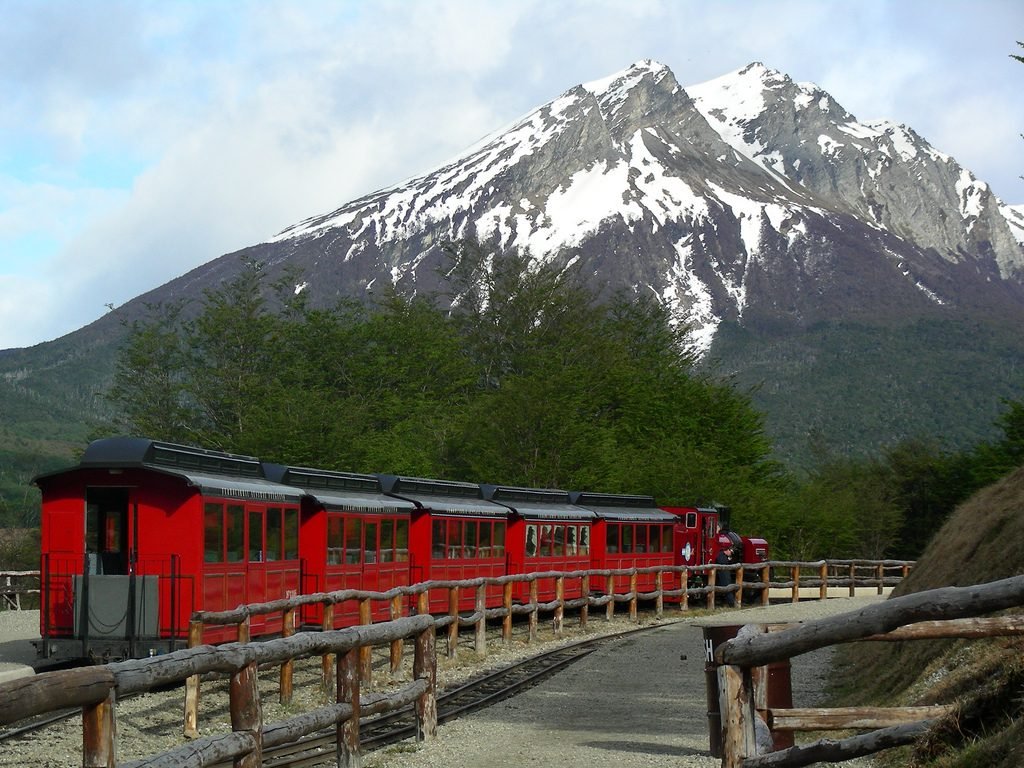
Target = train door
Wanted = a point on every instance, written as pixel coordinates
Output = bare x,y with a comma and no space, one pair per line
256,569
106,531
687,540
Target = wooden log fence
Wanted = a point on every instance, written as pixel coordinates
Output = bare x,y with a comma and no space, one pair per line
951,612
680,580
14,585
97,689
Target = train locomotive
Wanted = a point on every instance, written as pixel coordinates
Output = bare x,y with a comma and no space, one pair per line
140,534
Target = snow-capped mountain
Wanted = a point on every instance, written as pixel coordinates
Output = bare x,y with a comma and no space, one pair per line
861,283
749,198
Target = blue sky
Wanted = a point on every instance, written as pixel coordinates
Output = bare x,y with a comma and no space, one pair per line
141,139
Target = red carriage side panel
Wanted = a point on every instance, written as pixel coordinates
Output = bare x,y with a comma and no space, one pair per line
546,533
633,533
455,534
360,539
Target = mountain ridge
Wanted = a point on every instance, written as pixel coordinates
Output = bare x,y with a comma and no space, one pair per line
749,202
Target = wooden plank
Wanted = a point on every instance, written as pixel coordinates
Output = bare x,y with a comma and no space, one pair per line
833,751
986,626
33,695
878,618
853,718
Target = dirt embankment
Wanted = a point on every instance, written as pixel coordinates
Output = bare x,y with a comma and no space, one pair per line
980,542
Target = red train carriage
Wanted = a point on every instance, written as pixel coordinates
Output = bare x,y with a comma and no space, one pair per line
630,532
140,534
546,532
353,536
455,534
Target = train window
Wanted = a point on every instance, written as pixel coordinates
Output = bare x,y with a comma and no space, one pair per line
213,533
291,534
485,539
438,540
335,539
531,541
691,519
274,550
559,541
235,532
627,539
666,538
570,540
469,544
454,539
255,536
387,541
498,539
353,540
613,538
370,542
402,541
584,539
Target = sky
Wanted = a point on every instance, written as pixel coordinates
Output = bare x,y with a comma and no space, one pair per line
140,139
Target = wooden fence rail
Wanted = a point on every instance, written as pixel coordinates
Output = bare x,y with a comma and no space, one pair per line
96,690
844,573
14,584
947,612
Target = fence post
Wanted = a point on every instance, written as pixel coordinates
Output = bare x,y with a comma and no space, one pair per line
795,570
481,623
633,591
247,712
659,598
532,616
191,726
365,652
881,578
288,665
712,586
99,734
327,660
424,667
739,591
245,629
823,587
506,621
397,646
609,609
766,577
585,608
453,627
556,623
853,579
348,693
737,707
684,585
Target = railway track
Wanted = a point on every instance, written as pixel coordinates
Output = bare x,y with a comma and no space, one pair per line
383,730
475,694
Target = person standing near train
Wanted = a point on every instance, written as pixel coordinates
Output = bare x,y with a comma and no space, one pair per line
723,577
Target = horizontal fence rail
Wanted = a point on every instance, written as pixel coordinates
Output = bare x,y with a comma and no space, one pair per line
96,690
950,612
346,654
820,578
16,584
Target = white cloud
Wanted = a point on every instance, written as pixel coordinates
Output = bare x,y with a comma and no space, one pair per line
143,140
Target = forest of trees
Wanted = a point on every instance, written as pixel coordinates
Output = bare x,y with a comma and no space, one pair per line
522,377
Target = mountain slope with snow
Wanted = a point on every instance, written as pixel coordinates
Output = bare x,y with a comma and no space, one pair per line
863,284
